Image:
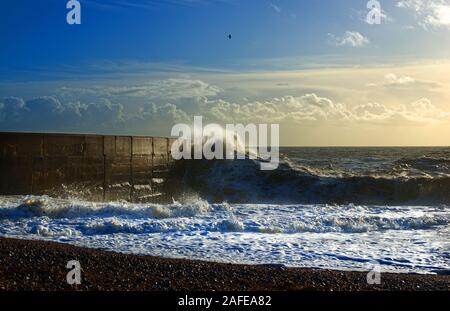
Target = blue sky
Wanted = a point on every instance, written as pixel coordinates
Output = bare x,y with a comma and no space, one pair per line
279,49
194,32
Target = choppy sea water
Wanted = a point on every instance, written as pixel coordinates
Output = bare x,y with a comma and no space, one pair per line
338,208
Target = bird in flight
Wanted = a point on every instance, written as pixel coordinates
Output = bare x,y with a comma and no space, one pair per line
229,36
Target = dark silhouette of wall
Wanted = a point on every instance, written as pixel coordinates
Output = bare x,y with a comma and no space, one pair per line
93,167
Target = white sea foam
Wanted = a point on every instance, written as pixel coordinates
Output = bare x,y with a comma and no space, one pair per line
401,238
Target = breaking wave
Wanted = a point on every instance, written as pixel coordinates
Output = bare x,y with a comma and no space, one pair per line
44,206
124,217
243,182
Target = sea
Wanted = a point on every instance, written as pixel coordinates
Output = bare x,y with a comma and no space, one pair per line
331,208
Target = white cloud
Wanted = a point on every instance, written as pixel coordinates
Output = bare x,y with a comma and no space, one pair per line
428,112
168,89
351,38
303,109
157,105
10,108
163,113
51,114
431,13
392,80
402,82
419,112
311,109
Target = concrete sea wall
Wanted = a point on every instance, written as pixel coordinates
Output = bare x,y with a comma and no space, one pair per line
94,167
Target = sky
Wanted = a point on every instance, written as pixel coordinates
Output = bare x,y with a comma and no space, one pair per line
317,68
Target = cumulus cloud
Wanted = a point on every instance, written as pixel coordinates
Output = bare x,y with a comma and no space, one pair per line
428,112
350,38
11,108
312,109
48,113
430,13
152,104
303,109
102,109
155,113
418,112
